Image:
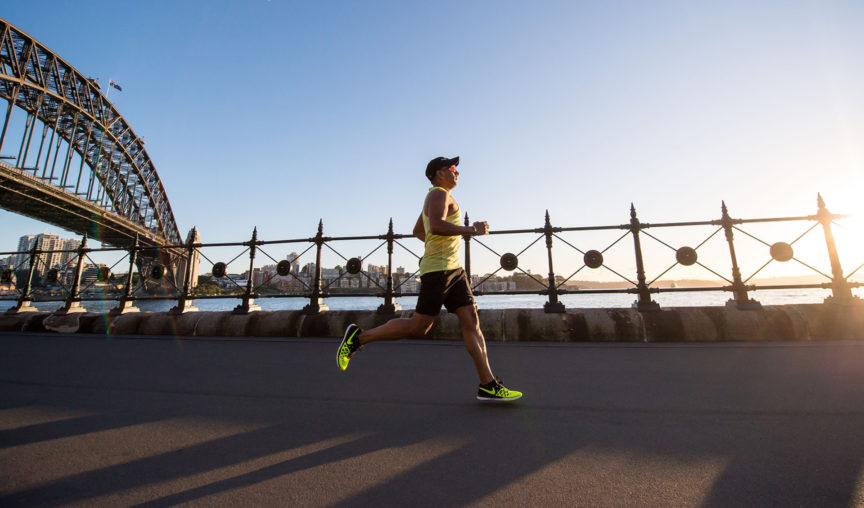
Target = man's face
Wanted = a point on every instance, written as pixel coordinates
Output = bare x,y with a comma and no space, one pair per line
449,175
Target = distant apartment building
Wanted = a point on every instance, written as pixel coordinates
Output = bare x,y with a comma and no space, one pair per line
68,257
53,257
90,274
50,244
258,276
329,274
377,269
25,243
295,262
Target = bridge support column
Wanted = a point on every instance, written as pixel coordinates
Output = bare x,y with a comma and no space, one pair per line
184,304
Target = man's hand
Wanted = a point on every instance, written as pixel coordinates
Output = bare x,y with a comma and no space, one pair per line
481,228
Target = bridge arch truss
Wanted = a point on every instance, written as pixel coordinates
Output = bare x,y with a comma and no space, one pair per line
80,125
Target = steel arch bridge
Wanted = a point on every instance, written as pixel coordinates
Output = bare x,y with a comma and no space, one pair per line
86,171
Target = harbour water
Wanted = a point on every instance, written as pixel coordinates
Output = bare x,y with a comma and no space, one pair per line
682,299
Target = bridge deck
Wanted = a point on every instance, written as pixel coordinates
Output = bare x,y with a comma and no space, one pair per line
25,194
117,422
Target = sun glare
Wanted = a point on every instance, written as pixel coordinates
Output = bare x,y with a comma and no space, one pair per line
849,231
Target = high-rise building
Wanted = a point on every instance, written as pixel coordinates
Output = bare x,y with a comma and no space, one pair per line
295,262
25,243
49,258
68,244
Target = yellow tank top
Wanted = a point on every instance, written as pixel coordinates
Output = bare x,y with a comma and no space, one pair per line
441,252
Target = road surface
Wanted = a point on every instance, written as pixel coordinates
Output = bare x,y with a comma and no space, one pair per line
155,421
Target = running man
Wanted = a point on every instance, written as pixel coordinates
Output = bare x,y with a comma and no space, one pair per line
442,282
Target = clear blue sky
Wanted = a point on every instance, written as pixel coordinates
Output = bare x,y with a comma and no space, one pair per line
275,114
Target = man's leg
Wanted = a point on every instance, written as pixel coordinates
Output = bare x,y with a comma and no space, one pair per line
474,342
415,326
490,388
395,329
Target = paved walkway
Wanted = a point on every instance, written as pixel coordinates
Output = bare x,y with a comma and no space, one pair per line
91,421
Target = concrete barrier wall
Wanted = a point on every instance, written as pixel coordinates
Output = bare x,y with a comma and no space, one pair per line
683,324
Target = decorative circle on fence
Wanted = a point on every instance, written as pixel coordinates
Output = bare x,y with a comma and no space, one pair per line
219,269
782,251
6,276
52,275
283,268
103,273
509,261
686,256
354,266
593,259
157,271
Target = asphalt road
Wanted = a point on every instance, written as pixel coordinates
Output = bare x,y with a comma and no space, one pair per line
153,421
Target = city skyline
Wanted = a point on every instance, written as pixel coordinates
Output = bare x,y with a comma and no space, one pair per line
576,109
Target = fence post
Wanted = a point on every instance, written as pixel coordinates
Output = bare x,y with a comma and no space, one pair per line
73,300
23,303
389,307
553,305
644,303
739,290
124,306
841,293
248,303
467,239
316,303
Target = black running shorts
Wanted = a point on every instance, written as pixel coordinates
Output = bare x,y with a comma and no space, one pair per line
449,288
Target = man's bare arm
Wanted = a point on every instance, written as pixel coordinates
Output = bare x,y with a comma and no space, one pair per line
436,210
419,231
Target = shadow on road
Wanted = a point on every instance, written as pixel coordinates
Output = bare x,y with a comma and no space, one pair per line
297,434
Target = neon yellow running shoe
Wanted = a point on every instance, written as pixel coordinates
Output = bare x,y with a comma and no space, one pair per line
349,346
496,392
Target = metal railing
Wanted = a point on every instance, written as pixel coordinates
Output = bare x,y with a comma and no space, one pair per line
314,287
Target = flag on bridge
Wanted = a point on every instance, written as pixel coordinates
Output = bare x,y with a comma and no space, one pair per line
115,85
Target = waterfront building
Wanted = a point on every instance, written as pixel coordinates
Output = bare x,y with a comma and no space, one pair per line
69,245
295,262
50,258
54,257
25,243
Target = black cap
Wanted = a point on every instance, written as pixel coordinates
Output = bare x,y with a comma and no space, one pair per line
440,163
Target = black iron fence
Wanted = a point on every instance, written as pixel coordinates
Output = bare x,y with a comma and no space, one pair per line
74,284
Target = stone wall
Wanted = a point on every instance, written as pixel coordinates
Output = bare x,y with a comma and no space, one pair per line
682,324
